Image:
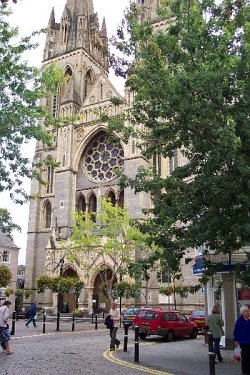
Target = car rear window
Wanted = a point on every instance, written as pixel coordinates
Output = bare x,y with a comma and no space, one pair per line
168,316
131,312
198,313
149,315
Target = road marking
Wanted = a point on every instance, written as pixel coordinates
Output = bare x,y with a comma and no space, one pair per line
110,356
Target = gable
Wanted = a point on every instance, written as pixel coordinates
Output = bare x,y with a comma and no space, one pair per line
102,90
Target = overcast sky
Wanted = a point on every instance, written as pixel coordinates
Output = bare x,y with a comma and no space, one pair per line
30,15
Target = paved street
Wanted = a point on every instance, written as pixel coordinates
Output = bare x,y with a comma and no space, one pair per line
59,353
85,351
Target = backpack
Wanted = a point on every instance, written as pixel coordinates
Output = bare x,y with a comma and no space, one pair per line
108,322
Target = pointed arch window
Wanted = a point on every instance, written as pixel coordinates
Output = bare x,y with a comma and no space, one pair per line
81,204
121,199
101,91
92,206
88,80
65,30
111,197
50,171
47,214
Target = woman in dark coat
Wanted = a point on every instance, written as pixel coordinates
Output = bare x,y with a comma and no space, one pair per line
242,338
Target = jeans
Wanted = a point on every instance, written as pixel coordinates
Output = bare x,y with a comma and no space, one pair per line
114,342
31,319
217,348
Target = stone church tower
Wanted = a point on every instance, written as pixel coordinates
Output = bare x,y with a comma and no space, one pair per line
85,155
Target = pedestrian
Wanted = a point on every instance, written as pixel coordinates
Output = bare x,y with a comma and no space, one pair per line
115,317
215,324
4,328
242,338
32,314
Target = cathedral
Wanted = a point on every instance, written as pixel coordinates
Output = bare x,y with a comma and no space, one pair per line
86,157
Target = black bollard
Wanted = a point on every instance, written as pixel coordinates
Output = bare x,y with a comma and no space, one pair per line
211,354
44,321
13,323
125,345
136,356
95,321
73,322
92,318
57,320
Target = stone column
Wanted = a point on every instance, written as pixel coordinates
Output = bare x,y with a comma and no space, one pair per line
229,307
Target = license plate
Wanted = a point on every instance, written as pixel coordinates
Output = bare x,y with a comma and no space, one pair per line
199,321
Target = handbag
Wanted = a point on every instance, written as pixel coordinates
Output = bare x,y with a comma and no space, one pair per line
35,317
237,354
5,334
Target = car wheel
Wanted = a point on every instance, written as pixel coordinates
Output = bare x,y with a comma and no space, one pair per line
194,334
143,335
170,336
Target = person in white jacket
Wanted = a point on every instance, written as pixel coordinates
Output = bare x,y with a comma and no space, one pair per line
115,317
4,332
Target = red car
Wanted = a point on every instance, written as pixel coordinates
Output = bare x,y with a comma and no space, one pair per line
167,323
198,317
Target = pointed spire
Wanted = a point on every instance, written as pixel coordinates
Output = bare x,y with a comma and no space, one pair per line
52,20
104,29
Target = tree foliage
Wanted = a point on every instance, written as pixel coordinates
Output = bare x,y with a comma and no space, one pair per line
21,86
6,224
5,276
107,242
190,85
59,284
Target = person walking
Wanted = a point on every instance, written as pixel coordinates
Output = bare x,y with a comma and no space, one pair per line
4,331
115,317
215,324
242,338
32,314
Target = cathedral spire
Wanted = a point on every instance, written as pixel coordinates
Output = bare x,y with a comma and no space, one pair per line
52,21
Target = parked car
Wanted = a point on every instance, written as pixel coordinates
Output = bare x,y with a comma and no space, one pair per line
198,317
129,315
167,323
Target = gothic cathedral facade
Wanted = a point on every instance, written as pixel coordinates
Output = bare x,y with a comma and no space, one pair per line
85,155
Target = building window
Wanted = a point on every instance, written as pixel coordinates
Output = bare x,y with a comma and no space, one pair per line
173,162
47,214
50,179
111,198
121,199
101,91
102,158
133,146
6,256
88,80
92,207
81,204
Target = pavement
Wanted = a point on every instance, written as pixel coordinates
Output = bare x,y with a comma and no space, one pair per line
156,356
180,357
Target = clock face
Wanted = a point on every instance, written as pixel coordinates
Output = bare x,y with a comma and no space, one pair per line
101,158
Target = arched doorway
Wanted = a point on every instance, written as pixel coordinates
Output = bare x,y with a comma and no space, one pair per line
100,300
69,301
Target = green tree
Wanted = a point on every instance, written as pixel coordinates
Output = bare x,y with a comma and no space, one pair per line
190,81
22,87
6,224
107,242
5,276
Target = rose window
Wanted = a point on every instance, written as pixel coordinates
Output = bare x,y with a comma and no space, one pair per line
101,158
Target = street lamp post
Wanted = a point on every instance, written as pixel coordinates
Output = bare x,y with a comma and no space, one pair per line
59,295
